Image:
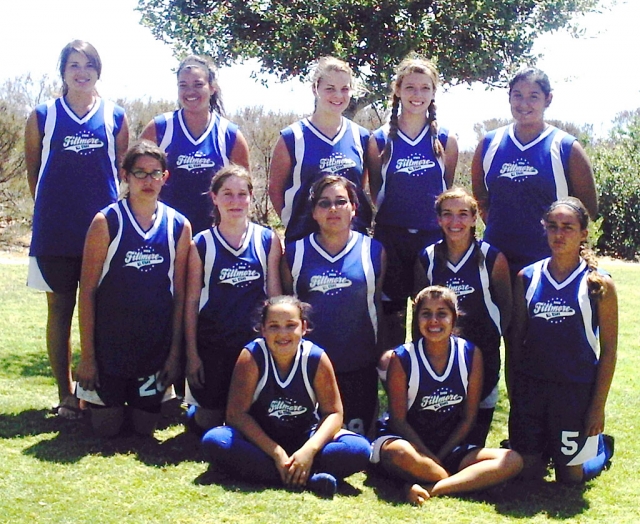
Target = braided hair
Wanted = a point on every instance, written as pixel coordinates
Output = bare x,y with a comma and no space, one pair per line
413,64
595,280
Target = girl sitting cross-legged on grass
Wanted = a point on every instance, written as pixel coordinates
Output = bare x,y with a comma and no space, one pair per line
434,386
131,299
284,412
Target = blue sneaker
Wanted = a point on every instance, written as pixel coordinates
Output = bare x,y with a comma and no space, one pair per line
323,484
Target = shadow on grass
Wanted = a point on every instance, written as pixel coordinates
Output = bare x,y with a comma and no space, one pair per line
215,476
518,499
31,364
72,440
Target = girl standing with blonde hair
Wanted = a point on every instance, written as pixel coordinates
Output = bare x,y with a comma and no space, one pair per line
411,161
324,143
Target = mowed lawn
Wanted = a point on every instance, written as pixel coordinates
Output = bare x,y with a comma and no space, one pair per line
55,471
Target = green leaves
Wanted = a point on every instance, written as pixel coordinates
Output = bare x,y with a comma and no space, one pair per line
471,40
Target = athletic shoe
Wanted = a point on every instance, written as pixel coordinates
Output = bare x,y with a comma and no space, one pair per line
609,449
323,484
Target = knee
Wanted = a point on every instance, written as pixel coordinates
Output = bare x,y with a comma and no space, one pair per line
217,442
107,422
511,462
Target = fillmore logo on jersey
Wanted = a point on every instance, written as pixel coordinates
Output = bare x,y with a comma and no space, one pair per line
336,163
414,165
519,168
83,141
554,310
143,259
459,287
237,275
442,399
194,161
329,282
284,407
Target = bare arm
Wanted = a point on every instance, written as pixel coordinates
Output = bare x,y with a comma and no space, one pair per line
243,386
32,151
502,290
240,152
581,179
608,318
471,404
477,183
330,408
450,160
374,163
122,142
195,370
150,133
274,285
94,255
171,369
279,172
286,277
517,330
398,407
381,335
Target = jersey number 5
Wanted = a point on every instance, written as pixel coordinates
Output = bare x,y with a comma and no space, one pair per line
570,447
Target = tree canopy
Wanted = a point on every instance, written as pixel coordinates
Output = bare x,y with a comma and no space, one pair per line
471,40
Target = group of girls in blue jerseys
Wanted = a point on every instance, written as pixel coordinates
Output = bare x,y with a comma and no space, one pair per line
176,281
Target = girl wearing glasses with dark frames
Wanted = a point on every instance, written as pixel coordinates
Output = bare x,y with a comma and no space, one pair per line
132,290
339,272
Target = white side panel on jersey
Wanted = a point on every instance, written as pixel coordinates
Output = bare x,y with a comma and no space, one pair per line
209,260
289,194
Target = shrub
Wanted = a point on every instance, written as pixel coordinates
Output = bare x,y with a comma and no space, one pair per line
616,163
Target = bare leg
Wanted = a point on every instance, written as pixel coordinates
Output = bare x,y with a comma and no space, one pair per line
60,314
480,469
144,422
107,422
400,458
569,474
534,467
209,418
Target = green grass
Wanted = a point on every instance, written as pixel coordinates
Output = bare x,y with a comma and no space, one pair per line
56,471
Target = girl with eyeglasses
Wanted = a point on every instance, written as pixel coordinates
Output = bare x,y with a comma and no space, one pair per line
132,290
73,147
233,267
198,141
340,272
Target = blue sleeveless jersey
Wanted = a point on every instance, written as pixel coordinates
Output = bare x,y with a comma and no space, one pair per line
561,343
523,180
134,299
192,163
78,174
341,290
436,402
471,281
412,179
311,153
234,285
286,407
